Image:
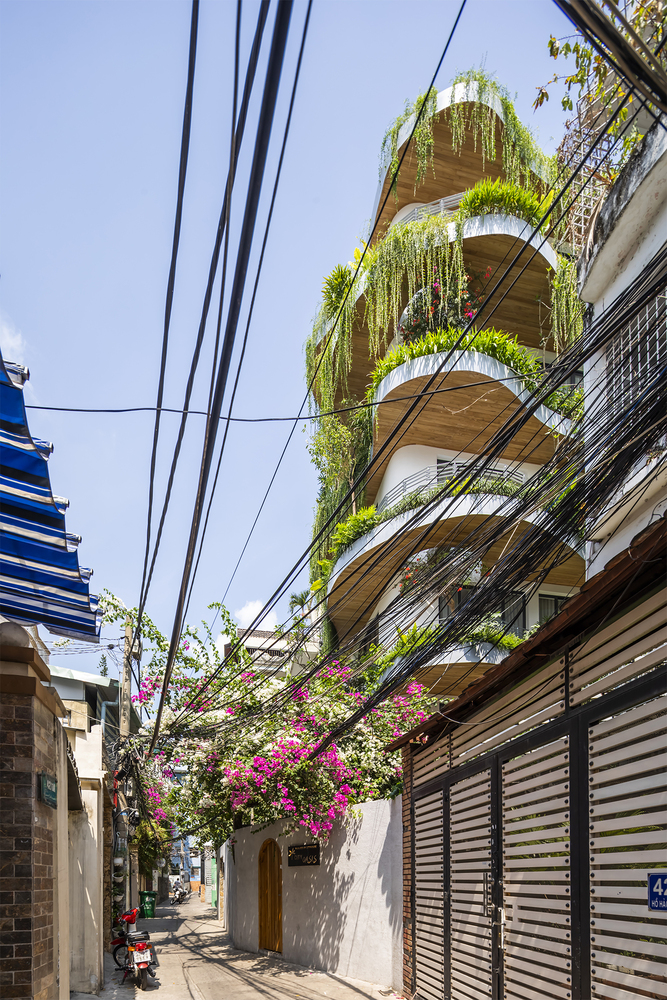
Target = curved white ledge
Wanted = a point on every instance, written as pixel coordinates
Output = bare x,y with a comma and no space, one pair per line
480,364
461,93
464,505
507,225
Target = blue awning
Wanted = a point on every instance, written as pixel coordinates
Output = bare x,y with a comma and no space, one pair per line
41,581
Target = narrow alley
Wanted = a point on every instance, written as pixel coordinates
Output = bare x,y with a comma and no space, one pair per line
198,961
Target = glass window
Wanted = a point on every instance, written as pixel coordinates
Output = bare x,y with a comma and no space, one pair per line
512,612
513,615
550,605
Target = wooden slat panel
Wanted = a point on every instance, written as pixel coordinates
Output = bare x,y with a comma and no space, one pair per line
524,722
429,896
623,624
534,904
542,754
632,716
637,982
629,822
632,669
470,856
618,911
648,801
630,644
655,762
522,992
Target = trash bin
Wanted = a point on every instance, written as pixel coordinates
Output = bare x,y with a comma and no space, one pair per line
147,901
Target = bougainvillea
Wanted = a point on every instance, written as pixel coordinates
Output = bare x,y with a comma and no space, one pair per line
242,765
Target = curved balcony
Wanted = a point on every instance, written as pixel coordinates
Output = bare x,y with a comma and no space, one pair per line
368,566
488,241
465,418
454,172
455,669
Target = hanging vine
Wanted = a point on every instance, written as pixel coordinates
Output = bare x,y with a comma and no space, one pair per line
567,309
476,114
422,140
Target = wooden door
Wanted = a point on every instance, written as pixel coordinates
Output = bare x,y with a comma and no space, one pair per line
270,897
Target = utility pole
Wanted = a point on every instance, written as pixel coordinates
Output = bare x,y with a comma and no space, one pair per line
126,687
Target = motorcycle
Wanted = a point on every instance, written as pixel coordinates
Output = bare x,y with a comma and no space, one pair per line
180,895
133,952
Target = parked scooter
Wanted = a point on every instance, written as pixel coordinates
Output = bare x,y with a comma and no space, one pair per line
133,952
180,894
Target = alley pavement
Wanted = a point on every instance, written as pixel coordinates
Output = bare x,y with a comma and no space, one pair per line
198,962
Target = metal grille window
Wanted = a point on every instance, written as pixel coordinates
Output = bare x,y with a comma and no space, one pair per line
635,355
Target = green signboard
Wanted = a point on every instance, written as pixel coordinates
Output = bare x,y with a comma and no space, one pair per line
49,790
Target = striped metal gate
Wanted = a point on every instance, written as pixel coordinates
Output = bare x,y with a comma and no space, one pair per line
470,887
429,903
501,911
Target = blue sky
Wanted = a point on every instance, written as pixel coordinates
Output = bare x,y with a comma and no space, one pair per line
92,99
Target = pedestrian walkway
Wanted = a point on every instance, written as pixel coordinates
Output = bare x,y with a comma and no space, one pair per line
198,962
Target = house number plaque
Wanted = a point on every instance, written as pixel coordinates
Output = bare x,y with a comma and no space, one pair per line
303,855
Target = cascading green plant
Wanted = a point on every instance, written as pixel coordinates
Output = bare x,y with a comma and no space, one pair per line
475,115
493,343
498,197
423,143
567,309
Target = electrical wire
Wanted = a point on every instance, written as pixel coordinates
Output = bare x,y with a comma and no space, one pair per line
251,70
465,331
185,147
342,306
271,85
254,295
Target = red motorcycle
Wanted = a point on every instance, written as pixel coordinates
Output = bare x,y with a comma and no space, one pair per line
133,952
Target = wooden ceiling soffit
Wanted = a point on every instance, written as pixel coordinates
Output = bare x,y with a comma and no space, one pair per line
360,584
451,173
464,419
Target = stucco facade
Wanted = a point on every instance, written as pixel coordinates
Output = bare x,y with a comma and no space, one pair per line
329,912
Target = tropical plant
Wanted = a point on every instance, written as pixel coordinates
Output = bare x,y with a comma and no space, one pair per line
602,91
475,115
299,601
258,769
499,197
422,140
493,343
567,309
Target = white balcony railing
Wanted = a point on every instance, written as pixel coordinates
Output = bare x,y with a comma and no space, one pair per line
438,475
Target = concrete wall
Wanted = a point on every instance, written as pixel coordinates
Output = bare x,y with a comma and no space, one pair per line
86,868
343,917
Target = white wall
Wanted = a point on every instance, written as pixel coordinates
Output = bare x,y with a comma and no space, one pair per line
414,457
343,917
86,868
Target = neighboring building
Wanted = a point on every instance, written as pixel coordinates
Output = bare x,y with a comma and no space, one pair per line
339,912
269,652
55,802
630,229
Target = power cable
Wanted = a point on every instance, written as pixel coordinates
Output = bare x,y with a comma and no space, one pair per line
342,306
271,84
185,147
268,420
254,295
213,268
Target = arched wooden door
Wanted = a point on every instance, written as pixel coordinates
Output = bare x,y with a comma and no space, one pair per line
270,897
